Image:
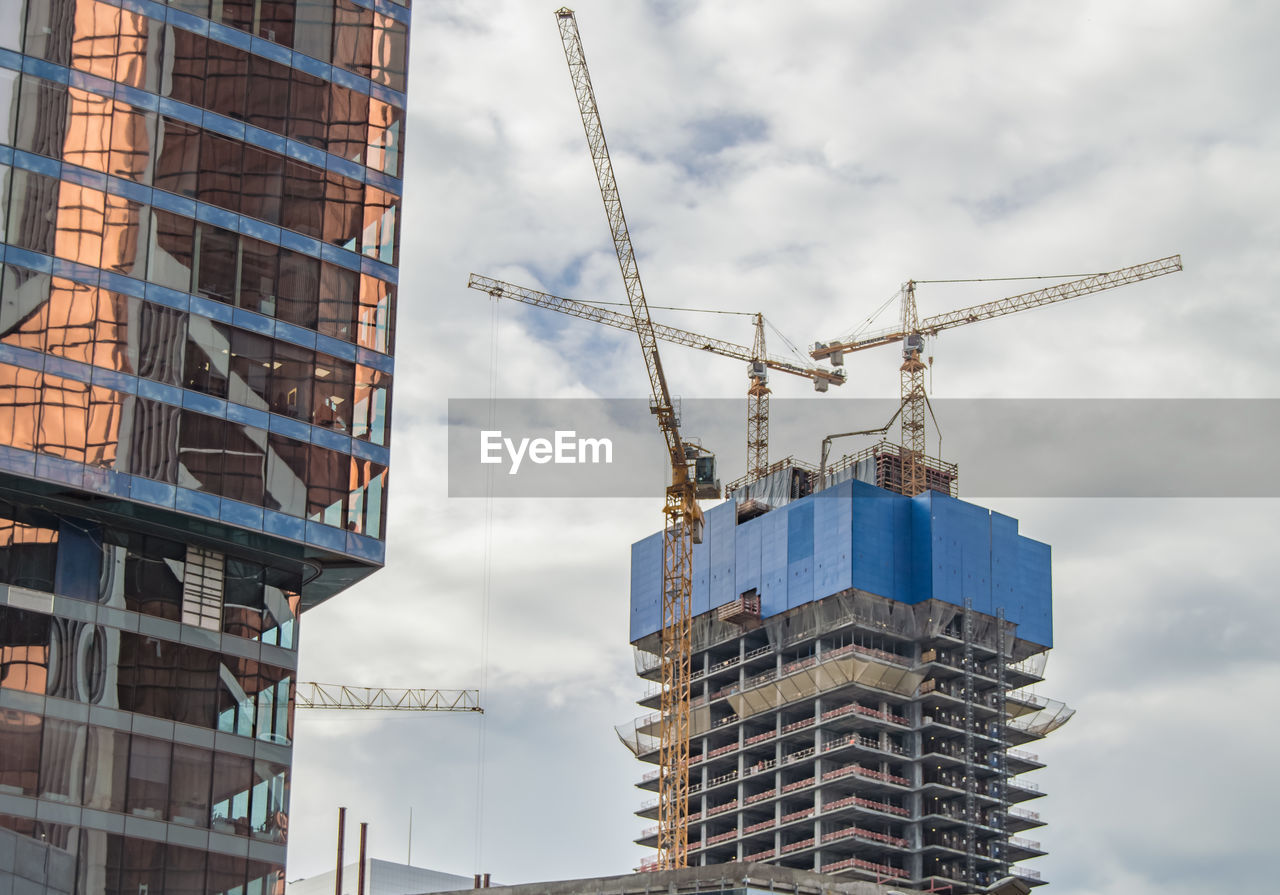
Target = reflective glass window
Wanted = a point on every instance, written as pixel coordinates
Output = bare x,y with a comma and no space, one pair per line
372,410
80,223
328,478
157,350
226,76
299,288
332,393
19,752
184,69
313,28
140,51
33,211
262,185
258,270
385,127
353,37
200,452
10,87
264,878
11,11
236,13
374,315
308,108
294,371
275,21
226,874
88,135
244,473
367,512
124,236
251,362
283,600
149,761
232,783
179,161
190,785
20,399
141,866
62,761
195,7
339,294
50,25
168,680
303,208
133,142
390,51
115,318
216,273
171,251
42,117
95,39
153,446
208,356
106,768
267,104
184,871
286,475
221,171
379,239
24,296
343,211
153,575
270,803
64,419
348,122
24,636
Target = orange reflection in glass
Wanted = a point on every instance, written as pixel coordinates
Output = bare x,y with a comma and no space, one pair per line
379,234
69,319
373,329
19,406
94,43
131,140
383,151
80,217
88,136
121,240
131,52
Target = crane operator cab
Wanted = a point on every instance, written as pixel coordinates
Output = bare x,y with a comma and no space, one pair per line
706,484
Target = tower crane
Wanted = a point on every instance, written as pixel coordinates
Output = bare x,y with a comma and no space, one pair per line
759,362
311,695
913,331
682,516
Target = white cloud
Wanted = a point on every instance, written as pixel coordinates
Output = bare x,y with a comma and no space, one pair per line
803,159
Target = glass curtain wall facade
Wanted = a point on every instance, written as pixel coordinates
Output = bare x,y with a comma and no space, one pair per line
199,219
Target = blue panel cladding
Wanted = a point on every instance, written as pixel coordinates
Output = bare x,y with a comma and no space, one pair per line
79,559
800,553
1035,587
773,561
701,597
646,586
856,535
747,558
961,561
720,536
832,540
880,555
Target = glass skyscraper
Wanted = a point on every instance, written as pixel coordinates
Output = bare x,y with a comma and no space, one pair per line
199,214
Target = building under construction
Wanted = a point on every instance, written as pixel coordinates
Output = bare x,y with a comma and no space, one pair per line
861,665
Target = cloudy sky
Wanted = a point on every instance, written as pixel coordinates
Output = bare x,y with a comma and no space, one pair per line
803,159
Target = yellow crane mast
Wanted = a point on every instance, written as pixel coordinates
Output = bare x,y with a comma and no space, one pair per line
913,331
683,517
759,362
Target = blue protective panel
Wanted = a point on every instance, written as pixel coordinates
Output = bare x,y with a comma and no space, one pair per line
1035,587
773,561
961,552
646,586
700,599
919,530
880,559
747,558
832,540
720,537
800,552
79,555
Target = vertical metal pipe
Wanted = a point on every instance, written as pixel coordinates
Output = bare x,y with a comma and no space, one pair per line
364,832
477,883
342,826
485,882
